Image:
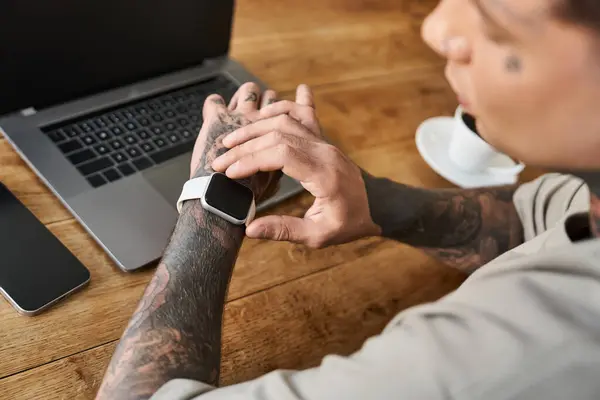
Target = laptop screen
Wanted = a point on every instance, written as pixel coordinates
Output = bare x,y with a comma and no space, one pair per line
53,51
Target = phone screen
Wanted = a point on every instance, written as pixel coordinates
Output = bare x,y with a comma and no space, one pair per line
36,269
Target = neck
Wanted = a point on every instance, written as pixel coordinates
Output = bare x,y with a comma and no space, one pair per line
592,179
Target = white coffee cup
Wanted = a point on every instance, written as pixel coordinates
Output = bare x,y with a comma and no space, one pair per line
471,153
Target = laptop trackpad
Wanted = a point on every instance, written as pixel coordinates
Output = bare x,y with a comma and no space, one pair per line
168,178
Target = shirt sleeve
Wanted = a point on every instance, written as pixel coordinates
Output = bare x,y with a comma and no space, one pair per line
508,331
542,203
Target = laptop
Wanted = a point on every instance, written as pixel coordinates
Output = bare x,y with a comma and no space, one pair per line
103,100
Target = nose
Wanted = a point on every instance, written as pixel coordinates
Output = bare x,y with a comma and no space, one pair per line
446,30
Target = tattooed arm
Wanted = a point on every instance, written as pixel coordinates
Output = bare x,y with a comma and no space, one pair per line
176,330
463,228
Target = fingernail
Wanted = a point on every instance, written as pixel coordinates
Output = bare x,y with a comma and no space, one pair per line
454,44
254,232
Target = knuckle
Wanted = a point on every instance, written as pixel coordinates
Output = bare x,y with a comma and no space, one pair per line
331,152
284,233
317,242
277,136
337,225
283,121
284,150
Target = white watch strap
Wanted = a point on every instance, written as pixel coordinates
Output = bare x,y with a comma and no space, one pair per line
196,188
193,189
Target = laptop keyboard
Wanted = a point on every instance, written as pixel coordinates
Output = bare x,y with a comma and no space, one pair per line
136,136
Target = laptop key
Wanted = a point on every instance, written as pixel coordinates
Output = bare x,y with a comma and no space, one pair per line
171,152
130,139
112,175
119,157
127,114
116,130
116,144
89,140
126,169
160,142
81,156
102,149
147,147
57,136
72,131
114,118
70,146
186,134
96,180
84,126
99,123
102,135
92,167
142,163
174,138
154,105
133,152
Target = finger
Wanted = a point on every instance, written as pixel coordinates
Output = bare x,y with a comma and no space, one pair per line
269,97
248,98
303,114
212,106
304,96
292,162
281,228
257,144
283,123
234,101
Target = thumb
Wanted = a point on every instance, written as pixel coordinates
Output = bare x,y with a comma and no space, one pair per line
280,228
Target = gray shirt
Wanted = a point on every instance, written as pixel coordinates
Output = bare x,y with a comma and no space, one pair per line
525,326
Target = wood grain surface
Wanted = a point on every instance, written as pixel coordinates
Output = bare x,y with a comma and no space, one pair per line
375,82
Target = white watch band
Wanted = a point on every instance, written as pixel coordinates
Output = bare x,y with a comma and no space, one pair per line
193,189
196,189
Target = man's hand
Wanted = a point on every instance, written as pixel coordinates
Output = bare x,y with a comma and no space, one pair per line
219,120
287,138
176,330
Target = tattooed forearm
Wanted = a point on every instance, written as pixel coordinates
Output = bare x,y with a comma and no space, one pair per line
463,228
176,329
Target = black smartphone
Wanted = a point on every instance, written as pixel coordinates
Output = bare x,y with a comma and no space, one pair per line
36,269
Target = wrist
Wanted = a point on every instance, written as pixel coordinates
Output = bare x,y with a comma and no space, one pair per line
205,219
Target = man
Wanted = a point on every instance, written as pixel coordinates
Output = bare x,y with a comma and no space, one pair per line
525,324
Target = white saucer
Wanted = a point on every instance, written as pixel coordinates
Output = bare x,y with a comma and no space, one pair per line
433,141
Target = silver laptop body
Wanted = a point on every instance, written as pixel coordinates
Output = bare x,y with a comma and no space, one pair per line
133,216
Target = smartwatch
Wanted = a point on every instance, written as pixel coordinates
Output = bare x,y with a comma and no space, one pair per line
222,196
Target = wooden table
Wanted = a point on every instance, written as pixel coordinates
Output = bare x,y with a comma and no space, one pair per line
375,81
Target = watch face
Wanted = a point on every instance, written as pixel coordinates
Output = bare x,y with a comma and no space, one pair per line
229,196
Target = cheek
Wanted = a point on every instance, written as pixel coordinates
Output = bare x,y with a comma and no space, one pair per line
509,106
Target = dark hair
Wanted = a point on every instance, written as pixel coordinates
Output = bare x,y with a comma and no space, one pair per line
581,12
